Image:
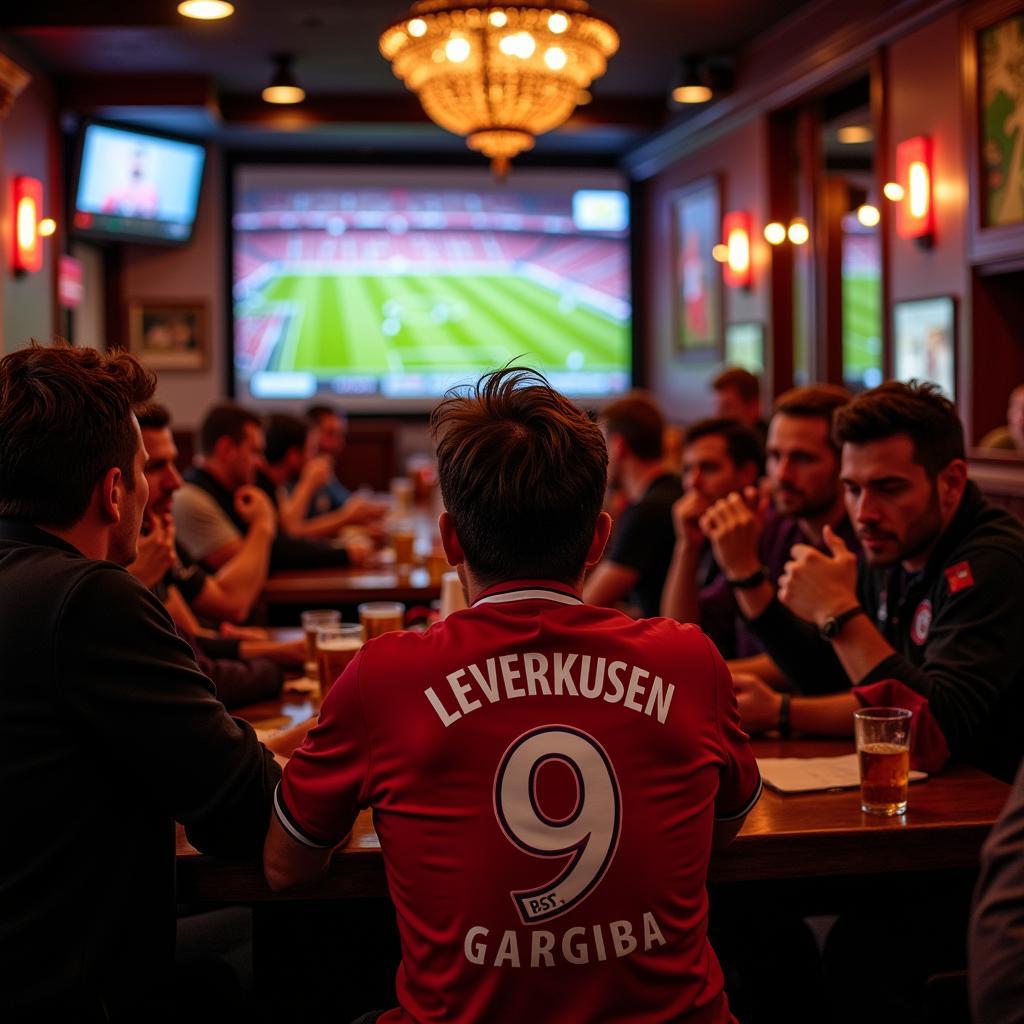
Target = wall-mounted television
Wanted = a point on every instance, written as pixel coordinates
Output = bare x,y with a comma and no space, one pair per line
386,287
136,186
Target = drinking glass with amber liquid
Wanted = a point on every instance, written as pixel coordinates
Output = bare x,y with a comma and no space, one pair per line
336,646
883,750
379,617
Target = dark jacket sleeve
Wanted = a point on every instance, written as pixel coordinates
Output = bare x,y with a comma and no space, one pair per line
809,662
996,935
134,689
973,651
302,553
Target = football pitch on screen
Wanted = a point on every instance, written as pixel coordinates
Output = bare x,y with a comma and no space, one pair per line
354,323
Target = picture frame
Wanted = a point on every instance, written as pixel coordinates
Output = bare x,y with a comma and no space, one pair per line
924,342
744,346
992,45
697,277
169,334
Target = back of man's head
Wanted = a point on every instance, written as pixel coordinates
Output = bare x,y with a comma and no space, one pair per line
813,402
227,419
918,410
153,416
741,443
743,382
637,419
284,433
522,473
65,421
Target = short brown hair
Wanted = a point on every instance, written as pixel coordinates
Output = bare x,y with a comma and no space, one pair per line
65,421
637,419
522,473
814,402
741,443
228,419
917,409
743,382
153,416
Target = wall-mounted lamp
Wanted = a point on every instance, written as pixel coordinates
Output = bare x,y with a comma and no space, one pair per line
46,227
28,201
736,233
720,252
775,233
868,215
798,232
915,216
893,191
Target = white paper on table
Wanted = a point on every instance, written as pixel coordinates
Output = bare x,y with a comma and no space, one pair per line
811,774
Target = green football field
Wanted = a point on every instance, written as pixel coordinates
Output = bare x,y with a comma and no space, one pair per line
862,324
336,324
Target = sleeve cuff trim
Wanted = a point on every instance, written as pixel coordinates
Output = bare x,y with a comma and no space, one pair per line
749,804
284,816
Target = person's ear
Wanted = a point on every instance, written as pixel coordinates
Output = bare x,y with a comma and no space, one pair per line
112,495
602,531
950,483
450,540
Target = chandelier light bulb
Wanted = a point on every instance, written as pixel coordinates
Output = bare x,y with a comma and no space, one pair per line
555,58
499,19
417,28
558,23
457,49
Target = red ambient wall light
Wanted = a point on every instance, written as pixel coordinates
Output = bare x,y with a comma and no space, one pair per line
28,202
736,236
915,214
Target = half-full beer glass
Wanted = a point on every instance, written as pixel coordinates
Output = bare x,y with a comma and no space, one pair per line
883,750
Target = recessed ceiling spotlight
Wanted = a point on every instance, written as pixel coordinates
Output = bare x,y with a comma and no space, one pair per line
206,10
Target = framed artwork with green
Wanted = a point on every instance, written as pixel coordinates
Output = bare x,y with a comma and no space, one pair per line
697,278
1001,121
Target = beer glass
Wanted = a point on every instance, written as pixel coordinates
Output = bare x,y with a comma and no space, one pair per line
437,566
336,646
883,750
379,617
311,622
403,539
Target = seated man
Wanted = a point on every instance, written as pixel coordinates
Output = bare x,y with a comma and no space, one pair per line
642,544
931,621
751,534
1010,436
213,510
109,730
295,479
519,730
720,457
738,397
328,439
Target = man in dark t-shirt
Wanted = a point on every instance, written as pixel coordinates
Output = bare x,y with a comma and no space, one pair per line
641,548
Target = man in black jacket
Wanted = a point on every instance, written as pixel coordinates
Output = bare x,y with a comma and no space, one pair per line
108,730
932,619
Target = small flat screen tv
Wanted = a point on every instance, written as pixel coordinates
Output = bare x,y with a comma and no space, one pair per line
136,186
382,289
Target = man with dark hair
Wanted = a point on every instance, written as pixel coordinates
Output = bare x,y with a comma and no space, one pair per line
751,533
530,723
328,439
738,397
215,509
642,543
294,478
932,619
720,457
109,730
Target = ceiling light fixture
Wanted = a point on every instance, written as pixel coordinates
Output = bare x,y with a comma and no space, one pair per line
868,215
206,10
694,83
775,233
283,87
855,134
499,74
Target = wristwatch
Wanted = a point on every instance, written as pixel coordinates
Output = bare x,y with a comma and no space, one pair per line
755,579
833,625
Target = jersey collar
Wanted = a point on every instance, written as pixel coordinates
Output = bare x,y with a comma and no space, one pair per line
528,590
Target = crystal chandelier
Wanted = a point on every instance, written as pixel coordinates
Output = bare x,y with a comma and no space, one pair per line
499,73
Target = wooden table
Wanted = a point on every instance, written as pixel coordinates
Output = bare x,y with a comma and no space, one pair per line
317,588
785,838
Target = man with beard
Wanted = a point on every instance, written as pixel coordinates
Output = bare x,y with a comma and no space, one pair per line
752,533
931,620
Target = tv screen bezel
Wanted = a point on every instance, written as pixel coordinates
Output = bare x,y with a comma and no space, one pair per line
112,236
381,405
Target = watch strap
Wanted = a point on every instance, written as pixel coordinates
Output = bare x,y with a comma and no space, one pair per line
785,729
755,579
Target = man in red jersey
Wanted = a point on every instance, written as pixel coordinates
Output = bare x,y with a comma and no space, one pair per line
547,778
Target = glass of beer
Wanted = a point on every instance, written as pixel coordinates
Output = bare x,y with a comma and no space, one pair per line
437,566
403,539
883,750
311,622
381,617
336,646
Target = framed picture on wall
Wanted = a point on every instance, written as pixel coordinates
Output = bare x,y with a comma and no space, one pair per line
169,335
744,346
697,278
924,342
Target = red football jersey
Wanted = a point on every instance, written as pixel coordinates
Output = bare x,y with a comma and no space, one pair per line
544,777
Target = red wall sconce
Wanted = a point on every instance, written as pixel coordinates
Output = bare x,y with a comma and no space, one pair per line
915,214
736,235
28,202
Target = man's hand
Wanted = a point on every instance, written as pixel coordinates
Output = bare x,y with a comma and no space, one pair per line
733,525
256,508
360,511
815,586
686,514
229,629
316,472
155,554
758,703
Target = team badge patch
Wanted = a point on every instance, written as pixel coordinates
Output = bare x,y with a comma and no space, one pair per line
922,622
959,577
